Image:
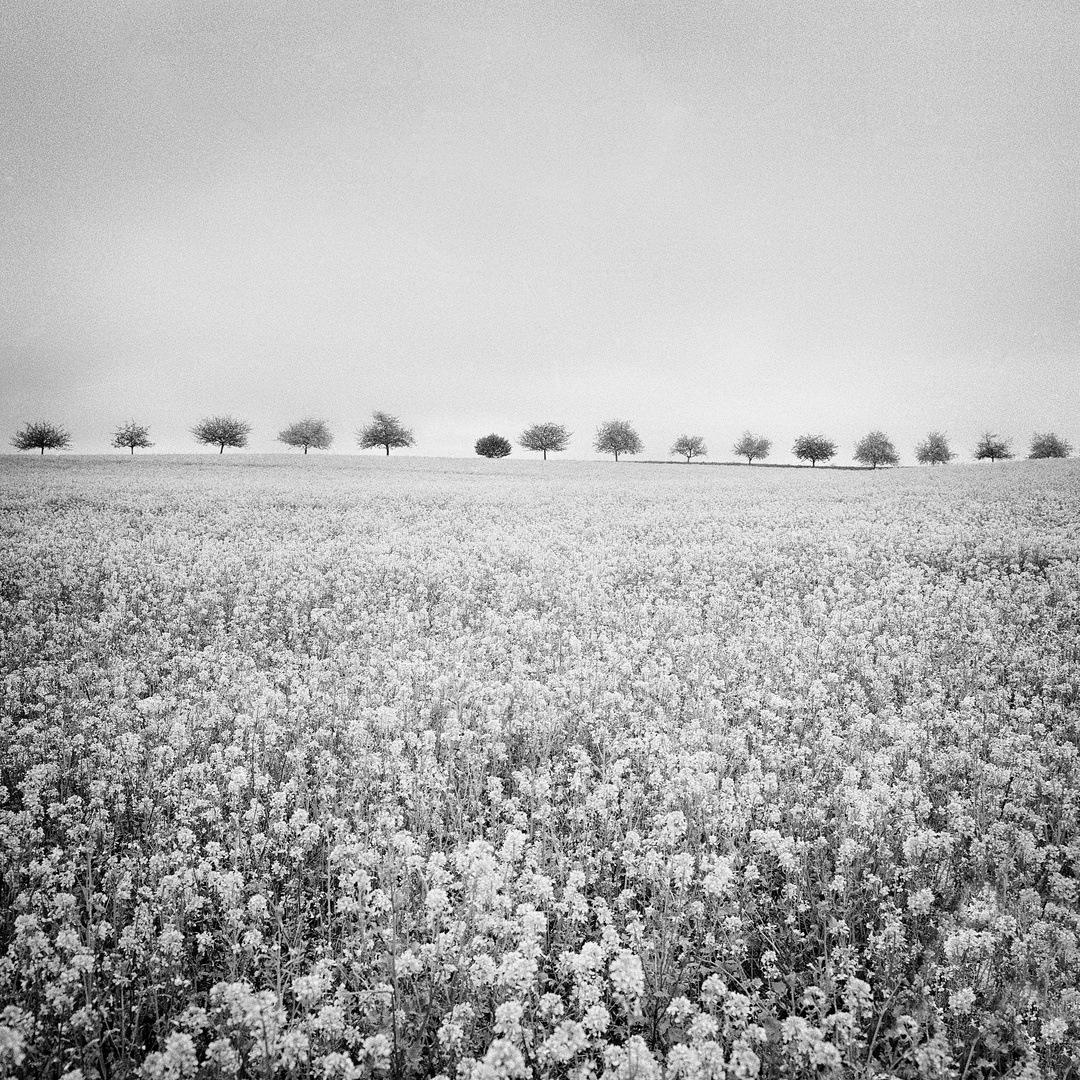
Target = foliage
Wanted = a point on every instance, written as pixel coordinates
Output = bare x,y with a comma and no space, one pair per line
876,449
545,437
41,435
132,436
690,446
934,450
1049,445
752,446
617,437
386,431
493,446
993,447
222,431
308,433
814,448
469,780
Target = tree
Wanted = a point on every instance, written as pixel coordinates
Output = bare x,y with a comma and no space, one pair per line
41,435
617,437
993,447
876,449
493,446
132,435
222,431
545,437
1049,445
813,448
752,446
690,446
308,433
384,430
934,450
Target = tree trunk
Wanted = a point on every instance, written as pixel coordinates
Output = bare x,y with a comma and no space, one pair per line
43,451
222,450
545,453
616,455
132,449
387,449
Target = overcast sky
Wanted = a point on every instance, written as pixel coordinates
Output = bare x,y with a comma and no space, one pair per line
701,216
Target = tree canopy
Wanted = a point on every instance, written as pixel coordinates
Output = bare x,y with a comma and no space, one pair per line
617,437
545,437
222,431
876,449
992,446
1049,445
41,435
493,446
132,436
752,446
309,433
934,450
690,446
814,448
386,431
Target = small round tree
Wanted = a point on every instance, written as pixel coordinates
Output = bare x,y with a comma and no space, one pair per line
1049,445
386,431
876,449
222,431
41,435
993,447
617,437
130,436
309,434
493,446
690,446
752,446
813,448
545,437
934,450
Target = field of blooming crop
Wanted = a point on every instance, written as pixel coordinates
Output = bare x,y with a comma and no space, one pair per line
405,768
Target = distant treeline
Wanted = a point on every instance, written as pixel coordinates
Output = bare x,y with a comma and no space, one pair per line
612,437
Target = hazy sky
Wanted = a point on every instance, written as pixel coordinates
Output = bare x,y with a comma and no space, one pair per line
702,216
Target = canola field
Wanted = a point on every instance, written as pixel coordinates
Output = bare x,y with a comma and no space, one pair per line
388,768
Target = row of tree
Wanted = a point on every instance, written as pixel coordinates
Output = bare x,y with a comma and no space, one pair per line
875,449
614,437
222,431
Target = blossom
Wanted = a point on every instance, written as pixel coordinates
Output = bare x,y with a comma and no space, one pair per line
502,1061
627,975
961,1001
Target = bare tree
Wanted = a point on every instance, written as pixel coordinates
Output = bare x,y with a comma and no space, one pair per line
876,449
41,435
934,450
993,447
617,437
814,448
752,446
386,431
1049,445
308,433
690,446
222,431
493,446
545,437
131,436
